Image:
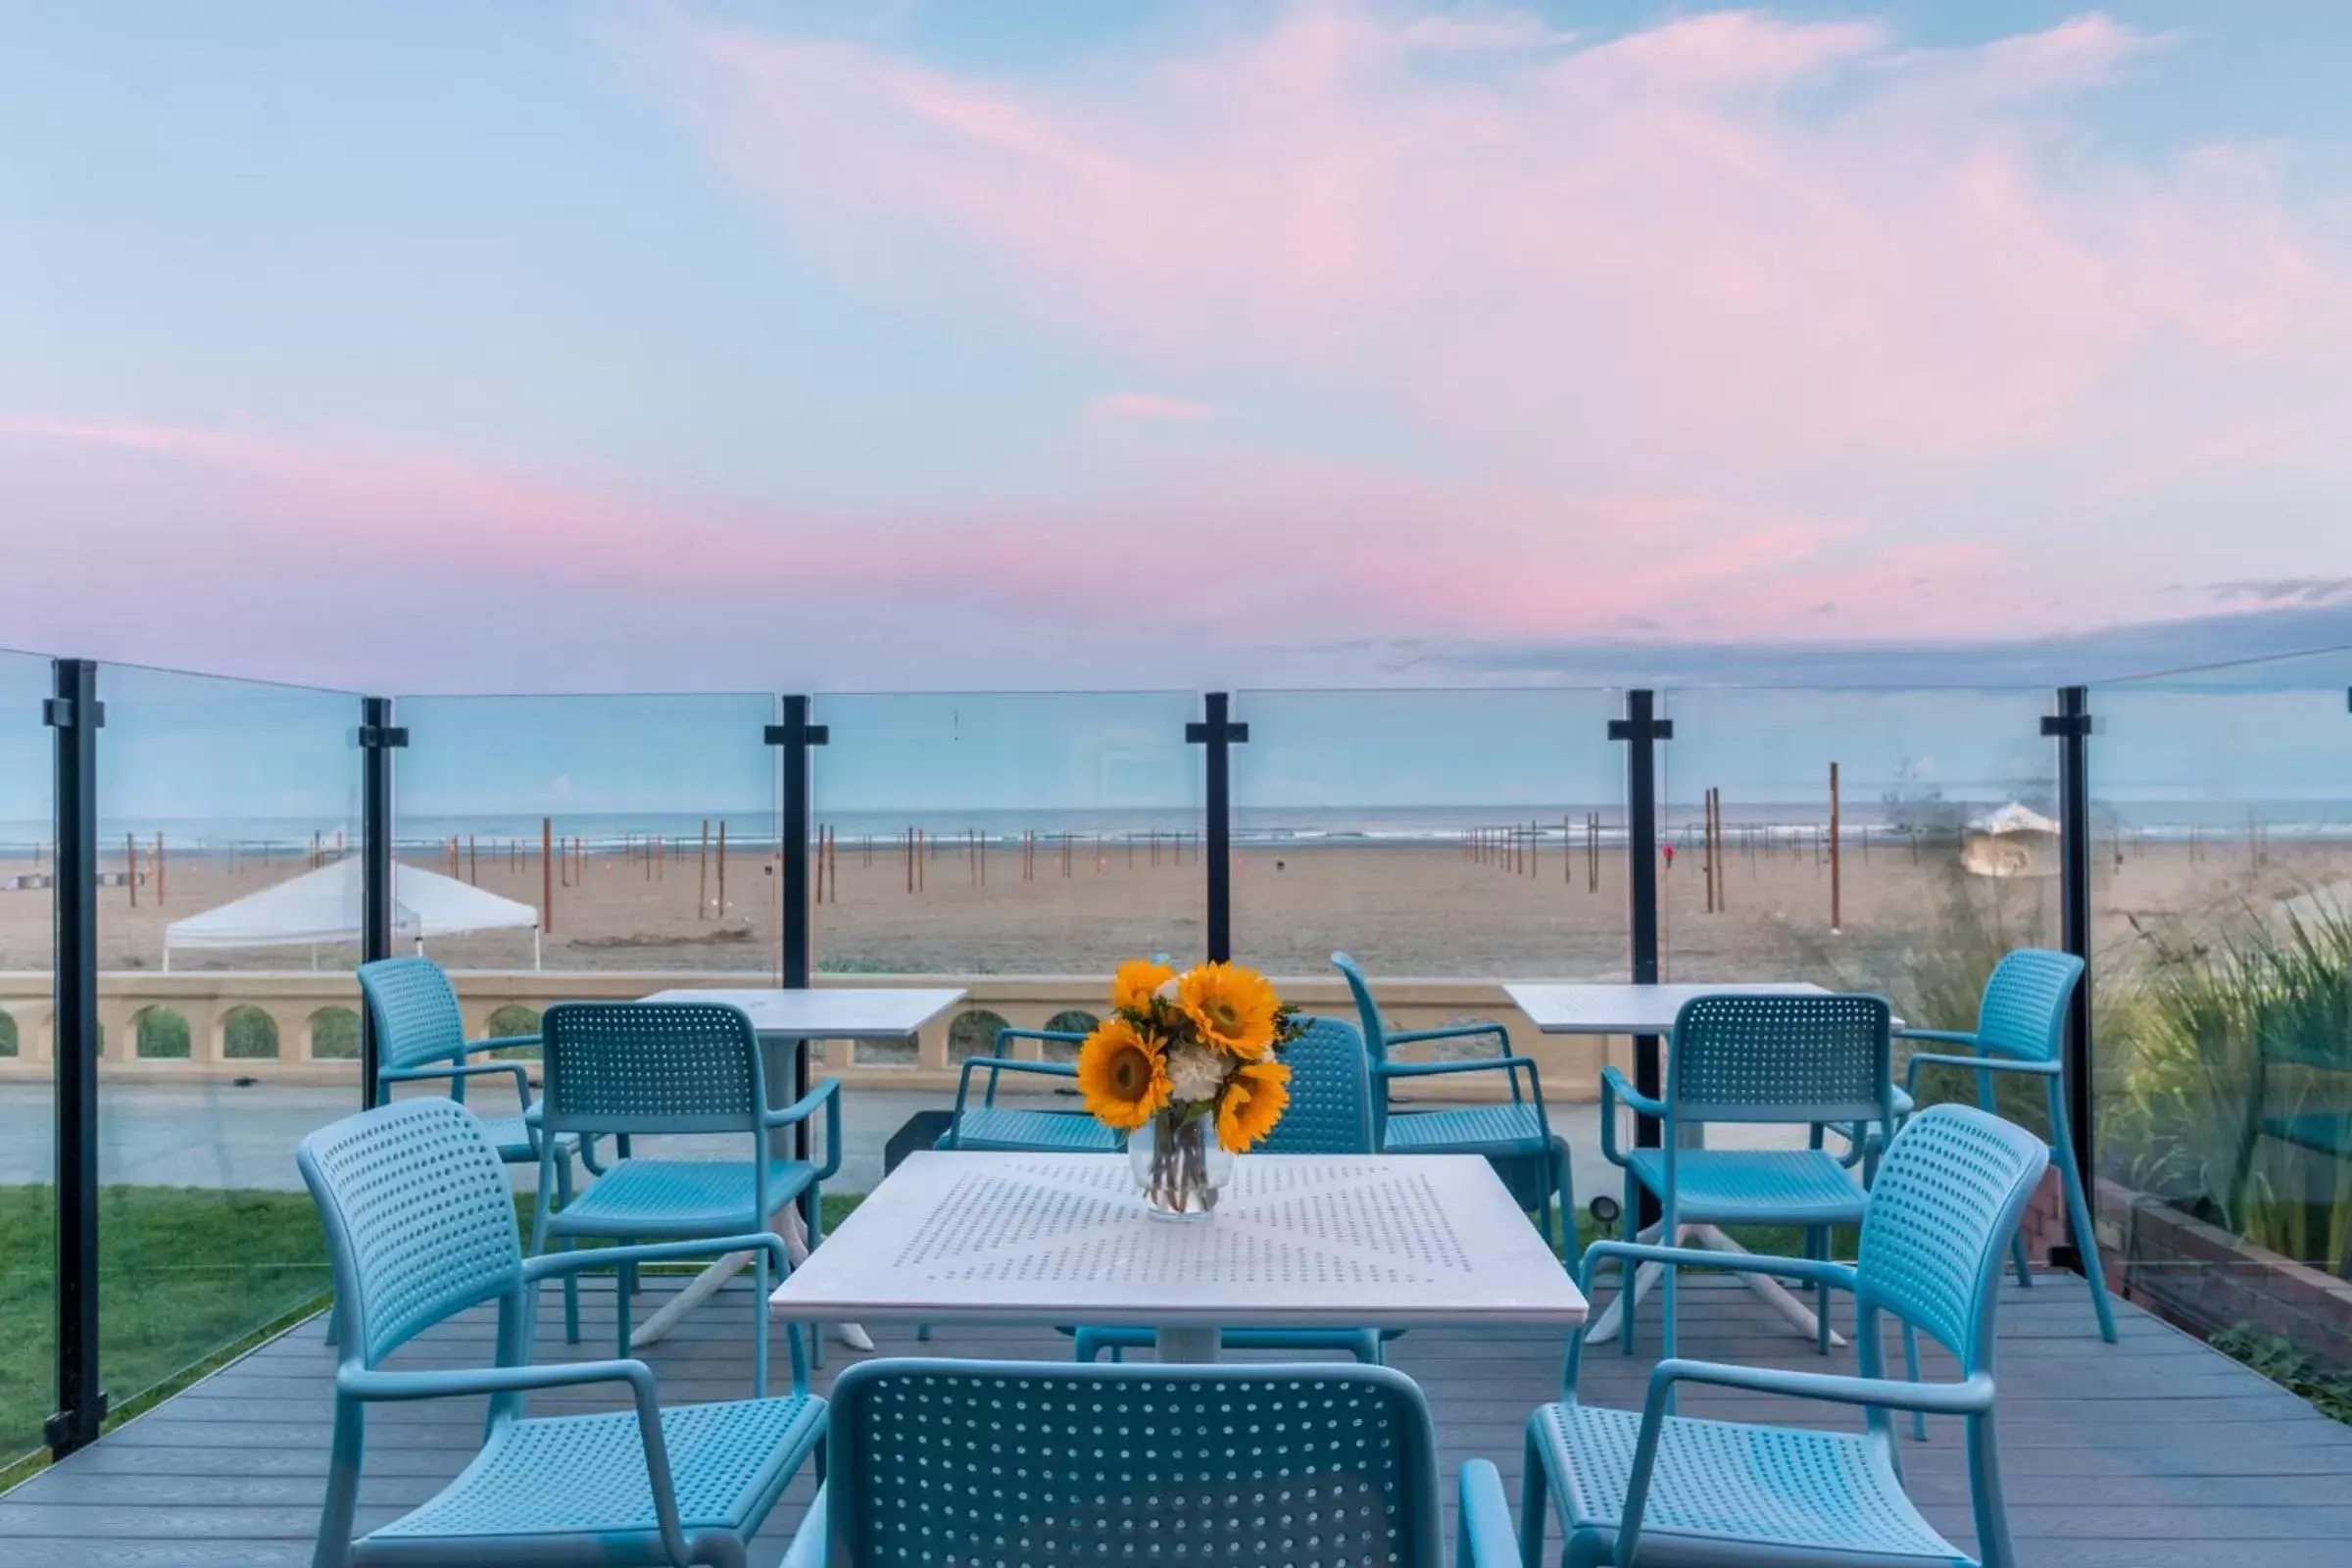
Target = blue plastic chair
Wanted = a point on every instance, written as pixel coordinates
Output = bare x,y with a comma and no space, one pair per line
1330,1113
691,1068
989,1126
2020,1028
1764,1058
419,1226
1662,1489
931,1463
1515,1135
421,1037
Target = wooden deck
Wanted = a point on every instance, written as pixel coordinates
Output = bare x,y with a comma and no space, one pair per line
2153,1451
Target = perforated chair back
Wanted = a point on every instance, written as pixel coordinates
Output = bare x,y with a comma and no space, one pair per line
2024,1011
1947,1200
1765,1057
1331,1094
940,1462
414,1009
419,1218
1376,1035
651,1067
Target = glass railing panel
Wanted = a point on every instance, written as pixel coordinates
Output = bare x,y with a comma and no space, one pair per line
614,835
28,1121
227,929
2222,910
1437,834
1021,845
1944,857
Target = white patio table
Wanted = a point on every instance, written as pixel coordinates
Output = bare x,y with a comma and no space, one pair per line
786,1021
1649,1010
1297,1240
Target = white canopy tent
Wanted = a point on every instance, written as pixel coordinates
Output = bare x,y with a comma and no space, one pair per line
2014,841
320,907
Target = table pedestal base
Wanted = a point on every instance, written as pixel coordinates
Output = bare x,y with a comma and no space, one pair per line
1190,1346
1773,1292
698,1291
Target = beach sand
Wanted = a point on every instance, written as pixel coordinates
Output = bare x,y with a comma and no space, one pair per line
1402,911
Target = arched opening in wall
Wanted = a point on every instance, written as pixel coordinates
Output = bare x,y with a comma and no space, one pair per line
974,1034
334,1035
513,1022
249,1034
162,1035
8,1034
1070,1021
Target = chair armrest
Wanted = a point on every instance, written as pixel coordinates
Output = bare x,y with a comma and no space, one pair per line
1459,1031
1513,1065
456,1070
503,1042
1972,1398
361,1383
1942,1037
1614,1088
992,1065
825,1096
1810,1270
808,1549
1485,1537
547,1265
2039,1070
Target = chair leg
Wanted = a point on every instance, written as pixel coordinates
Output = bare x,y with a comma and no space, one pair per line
1919,1418
624,1286
759,1323
2021,1264
1628,1226
813,1218
1992,1510
1534,1505
1563,1184
1817,1246
2078,1213
571,1281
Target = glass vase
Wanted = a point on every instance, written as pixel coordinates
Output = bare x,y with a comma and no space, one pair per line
1177,1160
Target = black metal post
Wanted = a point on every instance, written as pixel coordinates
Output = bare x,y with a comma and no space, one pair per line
74,713
1219,734
1640,729
2071,726
796,735
378,740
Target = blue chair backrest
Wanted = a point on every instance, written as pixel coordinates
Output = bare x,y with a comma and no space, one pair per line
1331,1094
1946,1197
1766,1058
937,1462
2024,1011
415,1010
1376,1035
651,1067
419,1220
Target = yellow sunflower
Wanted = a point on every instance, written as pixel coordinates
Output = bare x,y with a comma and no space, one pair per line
1123,1073
1233,1007
1135,982
1254,1100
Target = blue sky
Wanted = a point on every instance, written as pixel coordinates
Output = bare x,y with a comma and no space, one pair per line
576,346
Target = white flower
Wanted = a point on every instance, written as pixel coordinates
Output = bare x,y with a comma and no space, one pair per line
1166,991
1196,1073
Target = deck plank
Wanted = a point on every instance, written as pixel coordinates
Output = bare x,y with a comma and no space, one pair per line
2155,1453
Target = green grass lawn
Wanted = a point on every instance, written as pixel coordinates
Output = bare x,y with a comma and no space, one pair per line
188,1278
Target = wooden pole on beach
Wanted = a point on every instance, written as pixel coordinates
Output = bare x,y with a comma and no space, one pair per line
130,868
159,870
723,868
1837,912
474,867
921,874
702,894
547,875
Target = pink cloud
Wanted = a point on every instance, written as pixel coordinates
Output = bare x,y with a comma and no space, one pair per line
1150,407
1782,266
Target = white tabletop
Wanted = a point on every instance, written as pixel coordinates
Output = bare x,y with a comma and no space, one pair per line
1419,1241
843,1013
1627,1009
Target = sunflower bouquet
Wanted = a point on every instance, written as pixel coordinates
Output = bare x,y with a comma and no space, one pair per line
1181,1054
